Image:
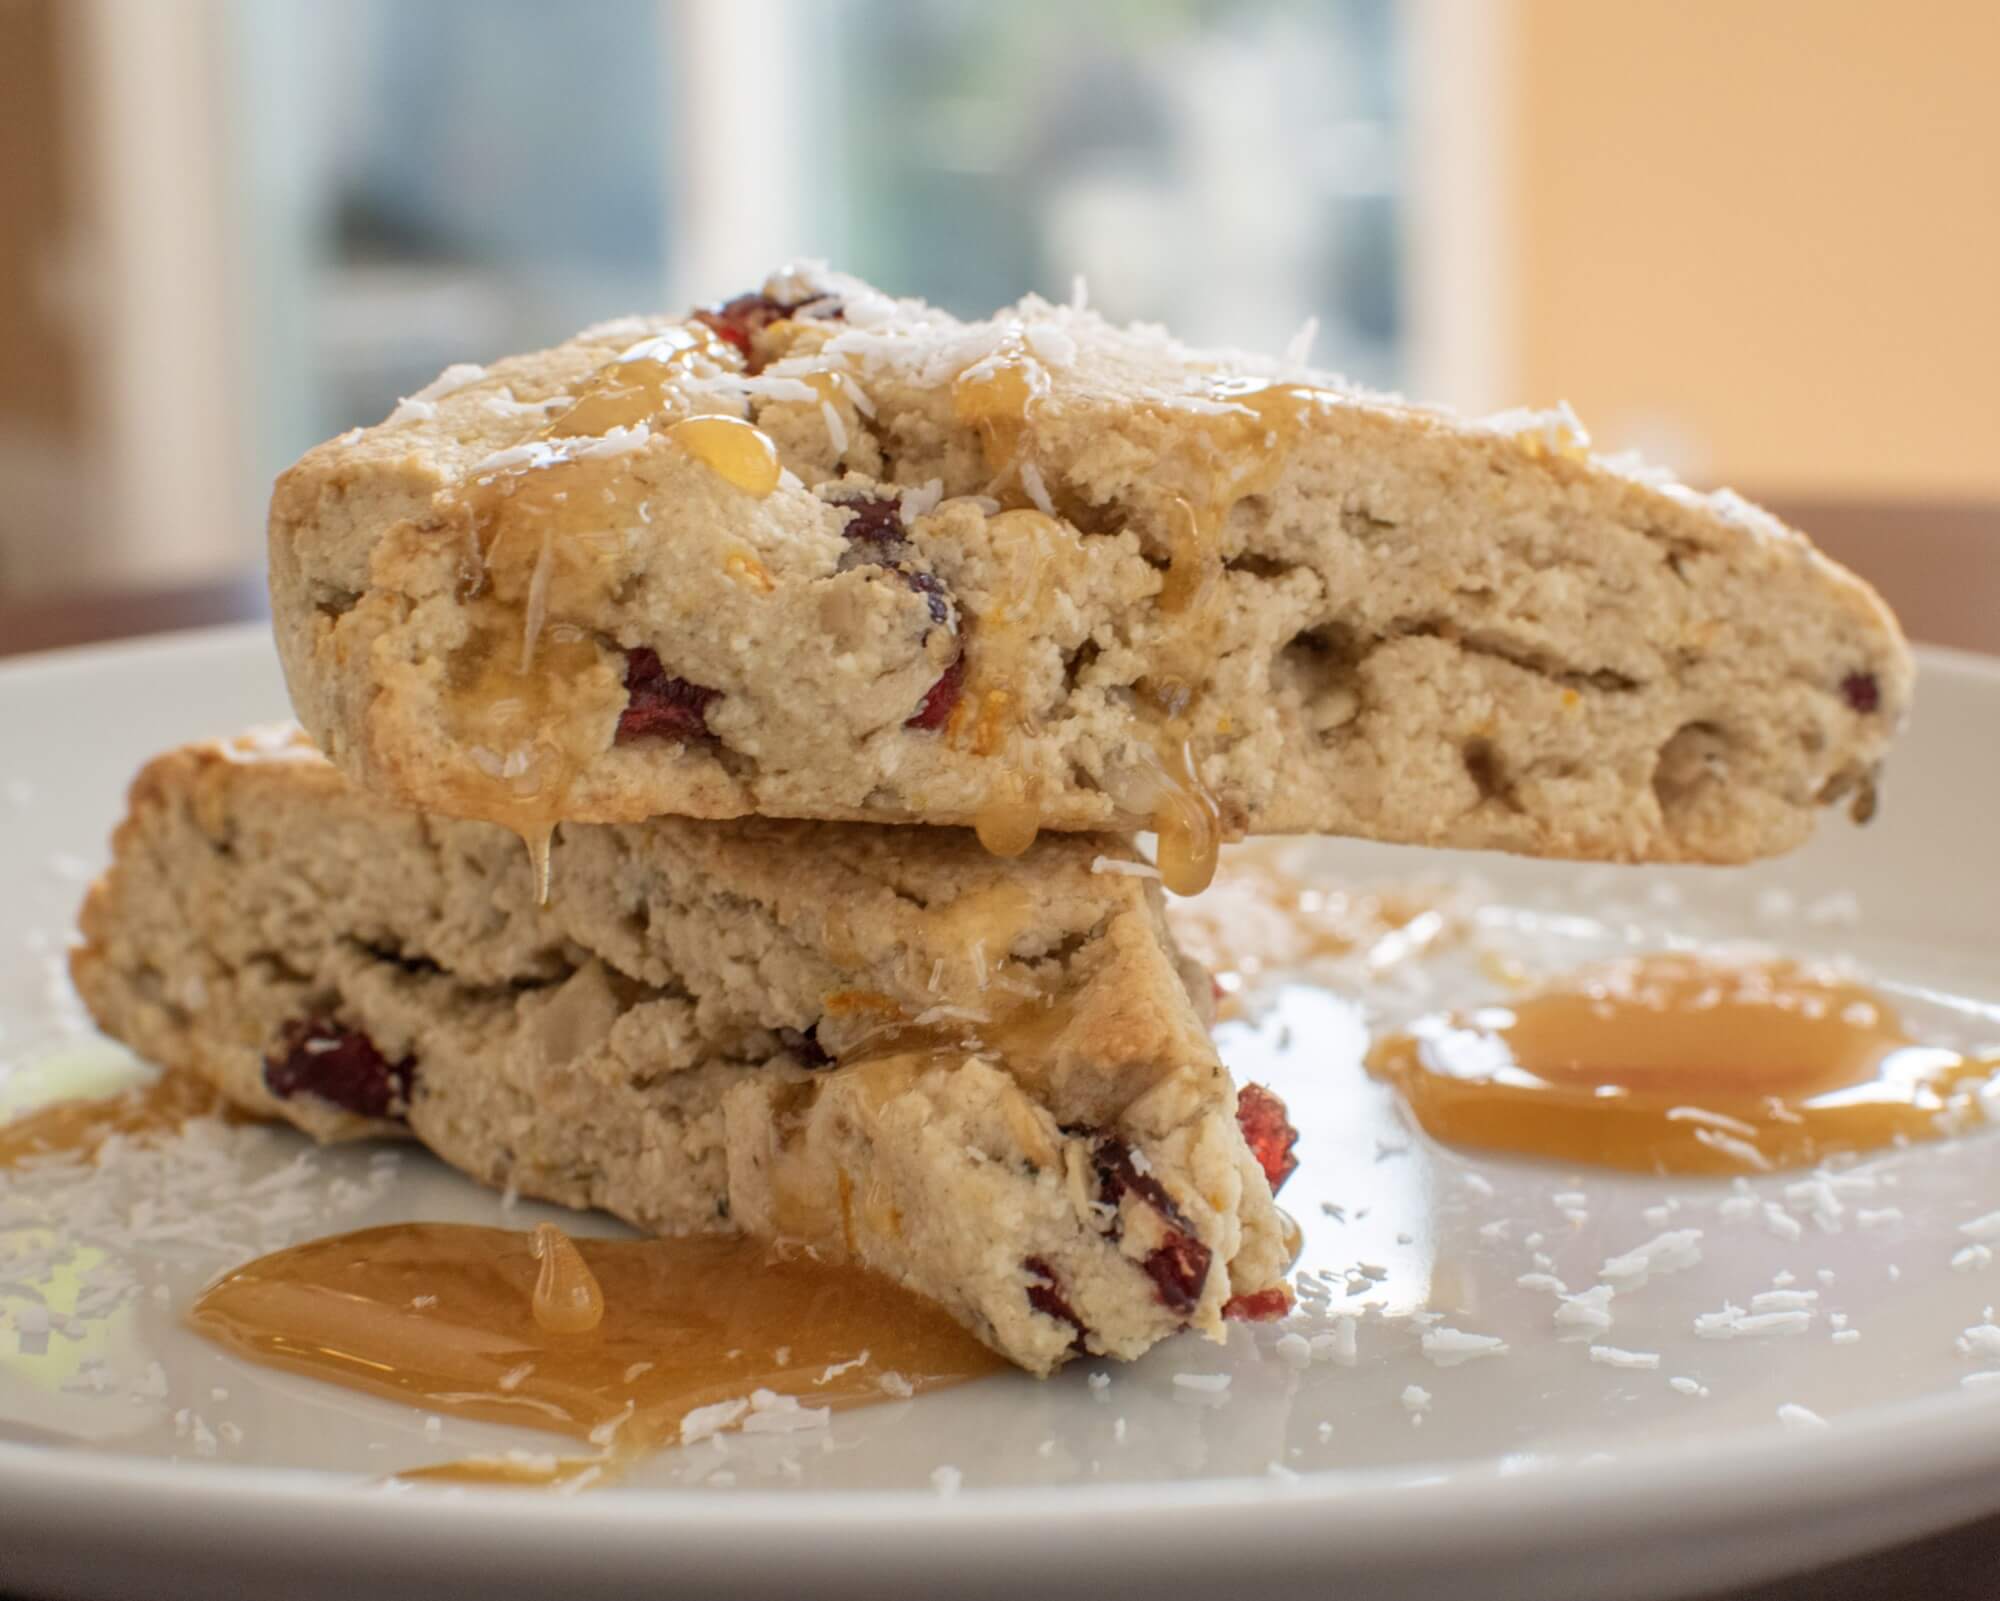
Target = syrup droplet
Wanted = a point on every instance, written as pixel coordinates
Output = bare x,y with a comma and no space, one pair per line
567,1298
442,1316
1187,823
998,394
1679,1064
737,452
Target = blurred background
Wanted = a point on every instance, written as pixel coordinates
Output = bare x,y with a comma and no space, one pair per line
1756,239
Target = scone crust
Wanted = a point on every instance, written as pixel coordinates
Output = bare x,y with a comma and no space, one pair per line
1412,627
658,1039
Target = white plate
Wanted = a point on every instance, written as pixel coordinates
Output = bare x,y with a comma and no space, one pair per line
1535,1473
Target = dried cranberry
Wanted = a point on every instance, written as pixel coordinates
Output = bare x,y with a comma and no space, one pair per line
877,518
942,698
804,1044
1178,1265
876,538
1268,1132
1861,691
317,1056
658,703
741,319
1047,1298
1259,1306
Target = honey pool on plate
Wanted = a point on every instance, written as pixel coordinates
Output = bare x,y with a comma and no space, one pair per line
1678,1063
476,1323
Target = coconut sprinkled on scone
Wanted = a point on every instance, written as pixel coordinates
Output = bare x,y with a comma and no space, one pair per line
819,552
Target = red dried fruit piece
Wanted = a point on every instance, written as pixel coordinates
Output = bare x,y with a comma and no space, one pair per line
877,518
1047,1298
317,1056
1178,1265
941,699
1268,1131
804,1044
1178,1268
877,538
658,704
740,320
1861,691
1259,1306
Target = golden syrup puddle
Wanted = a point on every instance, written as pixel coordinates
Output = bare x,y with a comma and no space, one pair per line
77,1128
1242,453
1680,1064
534,699
452,1318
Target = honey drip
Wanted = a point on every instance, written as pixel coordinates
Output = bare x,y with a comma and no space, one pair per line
998,396
736,451
993,718
1676,1064
1184,819
78,1128
444,1317
1008,822
531,698
1234,454
567,1299
1239,453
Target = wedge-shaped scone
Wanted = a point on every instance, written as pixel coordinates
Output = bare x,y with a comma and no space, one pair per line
1045,571
985,1078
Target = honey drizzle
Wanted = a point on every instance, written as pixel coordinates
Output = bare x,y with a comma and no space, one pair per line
1676,1064
993,714
79,1127
443,1316
534,699
1244,451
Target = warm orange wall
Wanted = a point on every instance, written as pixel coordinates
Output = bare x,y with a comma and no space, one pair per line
1771,225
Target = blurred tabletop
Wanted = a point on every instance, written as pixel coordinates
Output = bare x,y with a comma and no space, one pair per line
1938,565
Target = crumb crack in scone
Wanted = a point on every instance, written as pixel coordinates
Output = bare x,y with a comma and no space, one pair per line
883,1042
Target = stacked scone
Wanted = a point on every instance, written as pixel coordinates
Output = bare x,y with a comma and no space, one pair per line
711,613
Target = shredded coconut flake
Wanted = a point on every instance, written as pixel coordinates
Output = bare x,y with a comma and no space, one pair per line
836,429
1117,865
1298,353
1447,1347
704,1421
1587,1309
1666,1253
1038,490
772,1413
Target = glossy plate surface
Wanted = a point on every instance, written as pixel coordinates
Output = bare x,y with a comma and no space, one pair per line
135,1459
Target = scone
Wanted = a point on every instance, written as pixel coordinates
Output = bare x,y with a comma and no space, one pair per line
820,553
987,1079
